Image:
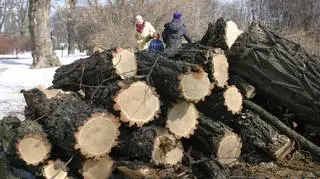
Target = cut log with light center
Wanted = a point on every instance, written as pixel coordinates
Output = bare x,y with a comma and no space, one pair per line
125,63
98,69
220,69
195,85
182,119
77,125
98,169
33,149
138,104
222,103
212,60
98,135
55,170
221,34
24,140
150,144
166,76
215,139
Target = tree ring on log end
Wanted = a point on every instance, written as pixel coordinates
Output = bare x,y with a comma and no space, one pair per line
182,119
98,135
229,149
167,150
195,86
232,33
138,104
55,169
125,63
33,149
221,69
233,99
98,169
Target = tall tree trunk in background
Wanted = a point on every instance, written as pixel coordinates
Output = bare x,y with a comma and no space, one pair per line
39,26
71,28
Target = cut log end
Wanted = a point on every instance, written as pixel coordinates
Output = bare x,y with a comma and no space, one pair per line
55,169
96,169
195,86
233,100
232,33
125,63
220,72
182,119
167,150
98,135
229,149
33,149
138,104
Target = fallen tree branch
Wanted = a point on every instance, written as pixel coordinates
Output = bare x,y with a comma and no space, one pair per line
314,149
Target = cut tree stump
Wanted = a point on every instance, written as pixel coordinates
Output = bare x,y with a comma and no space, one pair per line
212,60
76,125
41,101
280,69
98,169
246,89
137,102
222,103
217,140
99,68
182,119
24,140
256,132
55,169
174,79
150,144
221,34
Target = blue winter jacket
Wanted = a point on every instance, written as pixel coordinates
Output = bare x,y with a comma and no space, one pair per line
173,33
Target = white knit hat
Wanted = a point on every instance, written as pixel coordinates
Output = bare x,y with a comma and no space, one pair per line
139,19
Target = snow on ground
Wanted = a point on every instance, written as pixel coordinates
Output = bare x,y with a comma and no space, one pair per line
15,74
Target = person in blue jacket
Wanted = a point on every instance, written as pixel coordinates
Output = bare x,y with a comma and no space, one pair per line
174,31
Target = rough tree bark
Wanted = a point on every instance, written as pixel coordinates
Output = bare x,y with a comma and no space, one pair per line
256,132
71,28
174,79
216,139
149,144
39,26
280,70
98,69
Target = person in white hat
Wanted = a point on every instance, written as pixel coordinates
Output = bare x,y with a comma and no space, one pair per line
143,32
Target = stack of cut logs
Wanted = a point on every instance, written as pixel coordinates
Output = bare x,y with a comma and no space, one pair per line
188,113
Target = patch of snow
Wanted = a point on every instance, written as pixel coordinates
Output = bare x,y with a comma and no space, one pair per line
15,75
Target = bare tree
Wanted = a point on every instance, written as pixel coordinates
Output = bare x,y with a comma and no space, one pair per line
39,26
71,28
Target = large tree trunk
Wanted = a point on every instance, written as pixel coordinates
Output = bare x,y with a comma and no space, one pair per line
174,79
76,125
257,133
71,28
280,70
216,139
137,102
98,69
150,144
212,60
39,19
24,140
